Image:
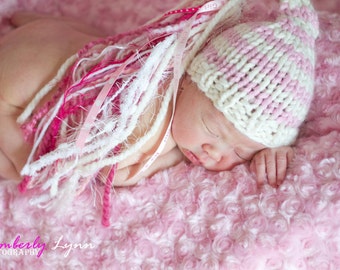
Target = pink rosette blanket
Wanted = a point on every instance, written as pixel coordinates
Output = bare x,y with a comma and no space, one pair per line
186,217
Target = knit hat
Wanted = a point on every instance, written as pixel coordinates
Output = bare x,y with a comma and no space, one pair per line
260,75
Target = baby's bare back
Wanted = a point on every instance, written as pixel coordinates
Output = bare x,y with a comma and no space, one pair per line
31,55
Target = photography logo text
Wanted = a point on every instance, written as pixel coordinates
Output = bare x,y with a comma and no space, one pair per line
17,247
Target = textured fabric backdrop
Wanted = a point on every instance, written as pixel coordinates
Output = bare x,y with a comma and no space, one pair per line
185,217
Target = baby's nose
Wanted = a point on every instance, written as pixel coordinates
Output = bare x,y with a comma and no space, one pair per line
213,152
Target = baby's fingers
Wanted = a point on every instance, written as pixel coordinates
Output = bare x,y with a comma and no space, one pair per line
270,165
281,167
271,168
283,158
258,167
266,167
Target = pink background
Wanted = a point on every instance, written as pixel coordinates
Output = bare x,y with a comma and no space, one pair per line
185,217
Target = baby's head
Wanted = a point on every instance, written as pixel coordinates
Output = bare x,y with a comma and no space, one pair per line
204,134
254,83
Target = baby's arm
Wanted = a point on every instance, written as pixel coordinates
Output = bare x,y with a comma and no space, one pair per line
130,175
270,165
127,172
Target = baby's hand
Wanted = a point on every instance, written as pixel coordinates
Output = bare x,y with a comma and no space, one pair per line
270,165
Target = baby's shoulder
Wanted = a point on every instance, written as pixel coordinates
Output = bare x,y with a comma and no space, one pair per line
31,55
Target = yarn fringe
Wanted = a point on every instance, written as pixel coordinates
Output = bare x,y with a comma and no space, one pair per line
56,165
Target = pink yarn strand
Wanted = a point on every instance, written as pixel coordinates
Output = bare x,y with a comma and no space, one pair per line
107,197
22,187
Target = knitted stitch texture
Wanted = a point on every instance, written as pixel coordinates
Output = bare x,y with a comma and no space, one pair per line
261,75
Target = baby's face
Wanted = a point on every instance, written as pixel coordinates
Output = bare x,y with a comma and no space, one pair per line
205,136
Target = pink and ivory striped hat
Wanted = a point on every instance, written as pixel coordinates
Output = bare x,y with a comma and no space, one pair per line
261,75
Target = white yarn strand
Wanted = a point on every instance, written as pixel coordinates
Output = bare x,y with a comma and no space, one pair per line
137,90
45,90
